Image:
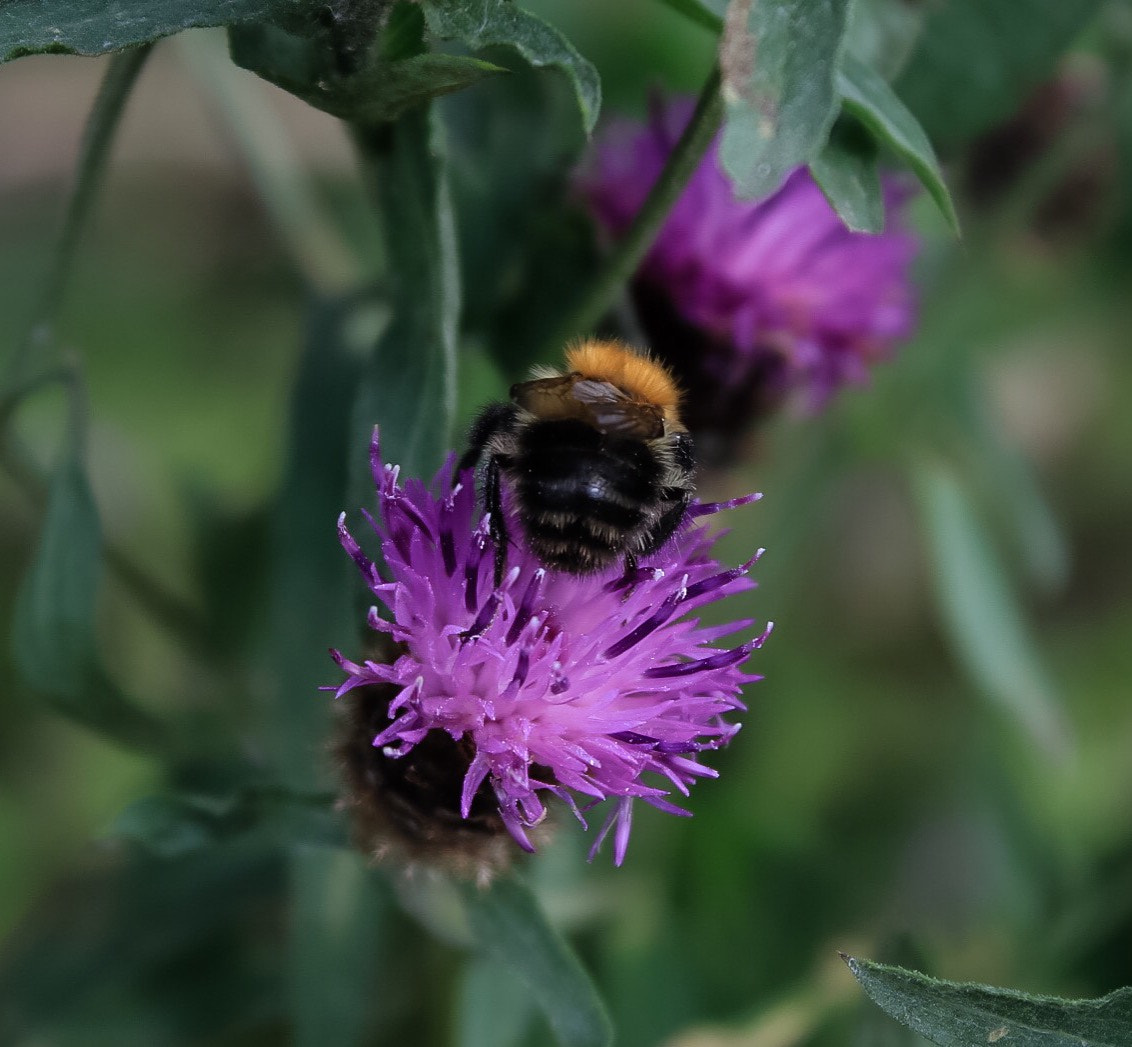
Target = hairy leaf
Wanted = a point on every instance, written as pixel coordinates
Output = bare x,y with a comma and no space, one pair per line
962,1014
779,63
867,97
481,23
94,27
883,33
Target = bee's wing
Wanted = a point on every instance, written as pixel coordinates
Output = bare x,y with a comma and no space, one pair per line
597,403
614,412
548,397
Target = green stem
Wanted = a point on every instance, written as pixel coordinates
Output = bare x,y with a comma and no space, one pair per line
408,383
98,137
602,293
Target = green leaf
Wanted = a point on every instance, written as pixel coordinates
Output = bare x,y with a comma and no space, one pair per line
94,27
339,918
1029,516
980,610
779,62
54,625
962,1014
977,60
846,171
53,634
491,1013
382,90
312,578
867,97
481,23
509,925
409,386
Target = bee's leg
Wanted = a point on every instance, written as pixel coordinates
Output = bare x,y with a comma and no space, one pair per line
492,420
493,502
667,524
630,566
490,429
674,500
497,529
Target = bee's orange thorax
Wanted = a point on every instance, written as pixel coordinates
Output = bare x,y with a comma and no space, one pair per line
641,377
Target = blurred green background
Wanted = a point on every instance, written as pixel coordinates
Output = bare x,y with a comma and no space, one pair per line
896,791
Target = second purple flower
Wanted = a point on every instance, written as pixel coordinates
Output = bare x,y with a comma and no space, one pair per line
750,302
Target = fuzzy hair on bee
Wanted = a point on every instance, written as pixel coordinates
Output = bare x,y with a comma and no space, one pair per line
594,460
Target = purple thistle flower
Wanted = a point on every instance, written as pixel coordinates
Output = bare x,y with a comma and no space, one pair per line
578,687
751,300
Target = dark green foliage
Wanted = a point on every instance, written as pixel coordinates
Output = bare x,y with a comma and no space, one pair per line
523,238
146,950
871,790
977,60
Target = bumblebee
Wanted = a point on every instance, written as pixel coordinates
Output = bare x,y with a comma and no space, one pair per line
598,466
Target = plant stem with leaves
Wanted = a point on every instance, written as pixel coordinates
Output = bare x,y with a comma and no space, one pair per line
601,294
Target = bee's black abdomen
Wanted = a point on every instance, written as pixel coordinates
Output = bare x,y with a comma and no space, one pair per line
594,466
583,495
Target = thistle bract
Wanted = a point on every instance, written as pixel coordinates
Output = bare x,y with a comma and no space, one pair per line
589,688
